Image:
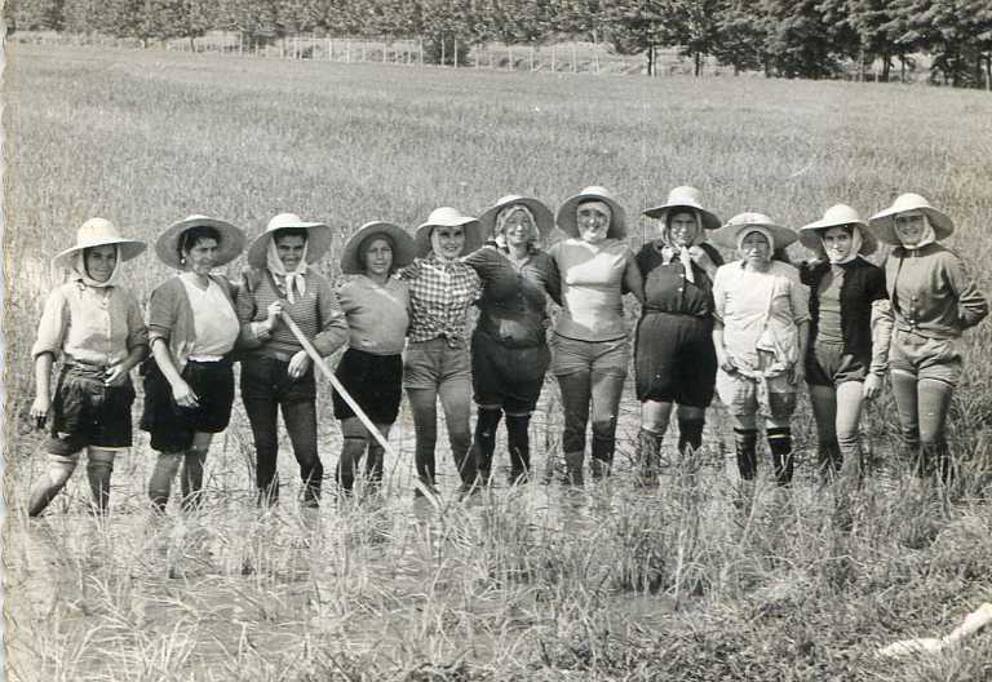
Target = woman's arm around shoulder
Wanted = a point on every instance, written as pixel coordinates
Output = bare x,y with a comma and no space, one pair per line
973,307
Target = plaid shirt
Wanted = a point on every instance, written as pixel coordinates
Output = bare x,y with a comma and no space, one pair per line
440,295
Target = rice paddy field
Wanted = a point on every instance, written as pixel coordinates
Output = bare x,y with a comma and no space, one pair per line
542,582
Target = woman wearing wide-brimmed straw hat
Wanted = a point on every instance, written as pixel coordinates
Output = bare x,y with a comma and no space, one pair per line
510,354
375,305
674,358
590,336
436,363
932,301
192,329
276,372
761,312
847,353
96,326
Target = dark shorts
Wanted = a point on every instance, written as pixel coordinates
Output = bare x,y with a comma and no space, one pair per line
266,379
172,427
674,359
375,383
87,413
828,365
508,377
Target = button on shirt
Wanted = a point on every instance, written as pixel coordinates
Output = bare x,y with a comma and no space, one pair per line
91,325
666,288
513,305
440,295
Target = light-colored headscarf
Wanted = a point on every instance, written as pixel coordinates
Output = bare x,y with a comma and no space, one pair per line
929,236
603,207
503,217
856,241
294,282
751,230
671,250
79,272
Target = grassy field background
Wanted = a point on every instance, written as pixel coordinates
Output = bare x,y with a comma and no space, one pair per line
537,583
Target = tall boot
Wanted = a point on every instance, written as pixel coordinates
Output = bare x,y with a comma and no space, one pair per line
690,436
51,483
269,495
484,440
518,440
830,460
351,455
936,459
573,468
192,478
99,467
780,444
601,462
160,484
746,444
649,456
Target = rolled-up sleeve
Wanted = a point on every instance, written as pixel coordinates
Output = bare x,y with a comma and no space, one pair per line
137,332
720,293
252,335
53,325
799,299
161,314
334,326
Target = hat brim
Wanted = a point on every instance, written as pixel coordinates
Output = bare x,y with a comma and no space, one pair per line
543,216
883,224
129,249
710,220
727,235
810,236
404,248
566,219
232,241
318,242
473,236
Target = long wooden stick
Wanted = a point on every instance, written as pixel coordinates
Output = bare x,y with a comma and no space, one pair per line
356,408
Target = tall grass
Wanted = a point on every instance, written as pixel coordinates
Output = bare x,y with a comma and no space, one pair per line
540,582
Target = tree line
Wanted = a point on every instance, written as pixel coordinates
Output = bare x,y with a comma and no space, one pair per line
783,38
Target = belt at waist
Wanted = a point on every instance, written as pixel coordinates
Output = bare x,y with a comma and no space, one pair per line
647,308
205,358
271,355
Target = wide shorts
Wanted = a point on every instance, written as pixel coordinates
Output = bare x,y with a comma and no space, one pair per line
373,381
828,365
674,359
511,378
85,412
429,363
172,426
571,355
775,397
925,357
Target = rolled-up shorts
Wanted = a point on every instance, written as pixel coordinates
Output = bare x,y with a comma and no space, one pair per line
429,363
743,396
925,357
171,426
571,355
508,377
828,365
373,381
86,413
675,360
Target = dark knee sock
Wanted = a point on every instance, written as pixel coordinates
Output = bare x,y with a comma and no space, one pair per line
518,438
351,455
374,462
690,435
484,440
99,473
746,443
780,443
192,477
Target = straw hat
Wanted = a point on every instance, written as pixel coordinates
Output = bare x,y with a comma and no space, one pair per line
318,238
837,215
542,215
685,197
883,223
232,240
446,216
727,235
99,232
404,249
566,213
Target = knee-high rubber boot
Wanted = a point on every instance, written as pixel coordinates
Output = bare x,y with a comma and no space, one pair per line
780,444
192,478
690,436
99,468
160,484
50,484
484,440
351,455
573,468
649,456
601,462
746,444
518,440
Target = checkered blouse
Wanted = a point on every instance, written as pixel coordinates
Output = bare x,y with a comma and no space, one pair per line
440,295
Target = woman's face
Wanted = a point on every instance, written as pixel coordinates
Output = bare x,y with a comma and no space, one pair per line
910,227
519,229
290,250
838,243
378,257
100,262
202,256
682,228
448,242
593,220
755,249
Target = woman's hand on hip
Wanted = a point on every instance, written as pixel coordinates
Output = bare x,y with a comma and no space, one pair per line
183,395
298,365
115,375
873,386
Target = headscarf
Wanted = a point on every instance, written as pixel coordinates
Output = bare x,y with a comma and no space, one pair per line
929,236
436,249
670,249
856,241
751,229
289,280
603,207
503,217
79,272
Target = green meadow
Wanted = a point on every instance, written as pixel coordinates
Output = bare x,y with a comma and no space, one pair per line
538,582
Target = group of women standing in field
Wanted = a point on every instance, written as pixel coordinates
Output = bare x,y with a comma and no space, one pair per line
751,330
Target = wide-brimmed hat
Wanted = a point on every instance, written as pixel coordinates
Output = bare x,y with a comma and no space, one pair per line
404,248
566,218
883,223
232,240
727,235
837,215
543,216
318,238
685,197
446,216
100,232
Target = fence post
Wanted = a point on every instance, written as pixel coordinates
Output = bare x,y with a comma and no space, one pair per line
554,56
532,51
455,50
383,50
420,42
575,66
509,57
347,53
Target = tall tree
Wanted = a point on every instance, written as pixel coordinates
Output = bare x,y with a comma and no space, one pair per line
797,39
